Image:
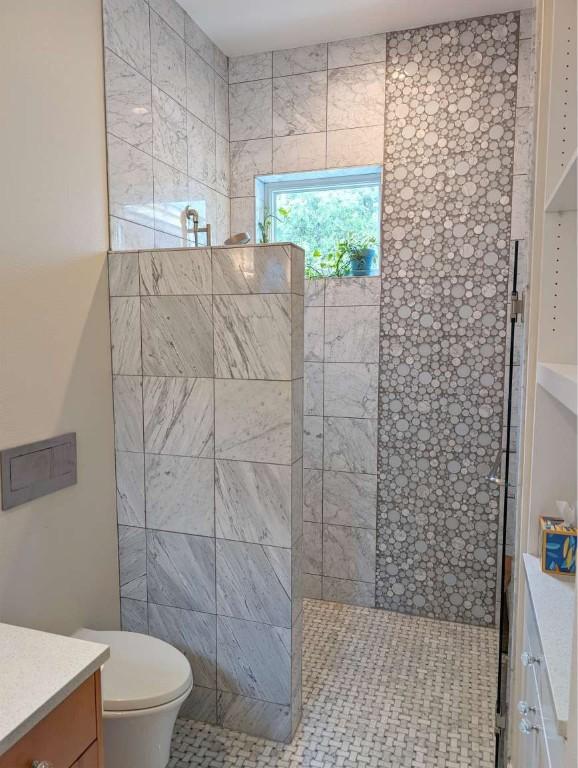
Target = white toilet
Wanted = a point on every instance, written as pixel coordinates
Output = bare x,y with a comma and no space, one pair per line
144,683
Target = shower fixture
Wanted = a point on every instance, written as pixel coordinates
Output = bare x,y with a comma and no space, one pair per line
241,238
191,214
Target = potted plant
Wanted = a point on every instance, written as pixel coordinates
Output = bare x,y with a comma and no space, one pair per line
265,226
331,264
361,254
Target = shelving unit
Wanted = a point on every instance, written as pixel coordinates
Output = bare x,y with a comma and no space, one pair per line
549,432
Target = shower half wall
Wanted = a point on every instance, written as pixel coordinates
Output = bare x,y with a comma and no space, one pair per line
207,358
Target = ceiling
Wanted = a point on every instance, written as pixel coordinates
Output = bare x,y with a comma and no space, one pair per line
250,26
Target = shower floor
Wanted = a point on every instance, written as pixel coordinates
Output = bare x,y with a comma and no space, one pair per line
380,690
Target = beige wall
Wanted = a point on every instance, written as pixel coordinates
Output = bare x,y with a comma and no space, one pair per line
58,554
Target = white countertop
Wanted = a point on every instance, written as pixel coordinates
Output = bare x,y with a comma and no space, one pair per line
38,670
553,603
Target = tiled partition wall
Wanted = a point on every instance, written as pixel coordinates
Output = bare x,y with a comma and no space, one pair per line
340,440
303,109
449,143
167,124
207,354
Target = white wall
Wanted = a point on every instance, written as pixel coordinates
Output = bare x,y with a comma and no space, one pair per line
58,554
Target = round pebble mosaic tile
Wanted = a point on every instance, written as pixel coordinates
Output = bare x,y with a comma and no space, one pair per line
449,150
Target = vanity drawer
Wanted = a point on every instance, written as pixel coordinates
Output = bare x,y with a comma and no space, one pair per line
89,759
63,736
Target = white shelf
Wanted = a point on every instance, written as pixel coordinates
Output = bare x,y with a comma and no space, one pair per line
561,381
563,198
553,603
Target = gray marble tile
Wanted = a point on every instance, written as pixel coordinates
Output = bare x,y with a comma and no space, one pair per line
263,269
125,335
313,442
355,146
313,381
222,218
130,183
178,416
126,32
177,336
135,589
133,615
314,293
297,500
312,548
257,66
254,659
350,389
253,336
171,12
297,336
180,494
123,277
253,421
352,334
124,235
130,502
128,412
251,110
297,560
202,150
254,582
128,103
249,159
199,41
356,96
243,216
299,104
222,108
312,495
223,166
526,73
527,23
297,61
305,152
222,64
253,502
169,130
521,206
352,291
175,273
313,334
131,553
192,633
349,499
296,420
181,570
297,271
164,241
312,588
523,148
262,719
168,59
348,553
171,195
200,88
350,592
201,705
357,50
350,445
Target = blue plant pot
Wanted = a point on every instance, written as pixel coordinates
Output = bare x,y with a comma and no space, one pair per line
363,267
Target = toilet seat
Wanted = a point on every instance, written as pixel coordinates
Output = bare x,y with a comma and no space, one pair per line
142,671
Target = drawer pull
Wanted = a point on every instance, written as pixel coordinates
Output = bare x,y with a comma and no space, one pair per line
526,727
528,659
42,764
524,708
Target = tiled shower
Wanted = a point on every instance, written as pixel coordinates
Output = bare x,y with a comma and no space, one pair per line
403,373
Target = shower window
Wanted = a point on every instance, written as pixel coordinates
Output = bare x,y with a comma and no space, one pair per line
320,212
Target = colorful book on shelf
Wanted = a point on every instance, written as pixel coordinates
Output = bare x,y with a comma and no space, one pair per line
558,546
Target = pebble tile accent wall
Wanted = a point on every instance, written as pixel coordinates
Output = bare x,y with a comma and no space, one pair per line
449,143
167,118
340,438
207,354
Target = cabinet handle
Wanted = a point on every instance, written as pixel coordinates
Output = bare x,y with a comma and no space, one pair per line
528,659
526,727
524,708
42,764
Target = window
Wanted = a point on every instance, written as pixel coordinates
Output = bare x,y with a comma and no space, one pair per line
318,211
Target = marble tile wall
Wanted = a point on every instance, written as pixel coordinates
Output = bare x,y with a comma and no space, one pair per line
340,438
451,95
167,118
207,350
303,109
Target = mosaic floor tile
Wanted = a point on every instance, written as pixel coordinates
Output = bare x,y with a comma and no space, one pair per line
380,690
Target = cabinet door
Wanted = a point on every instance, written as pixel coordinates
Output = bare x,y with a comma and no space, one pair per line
89,759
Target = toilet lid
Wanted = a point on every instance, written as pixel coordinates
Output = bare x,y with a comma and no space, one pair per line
141,672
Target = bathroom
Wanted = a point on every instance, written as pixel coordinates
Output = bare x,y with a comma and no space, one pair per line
288,384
